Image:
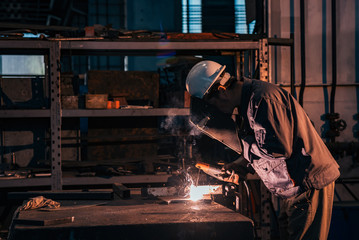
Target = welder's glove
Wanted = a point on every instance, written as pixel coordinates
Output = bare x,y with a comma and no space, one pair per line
230,176
237,170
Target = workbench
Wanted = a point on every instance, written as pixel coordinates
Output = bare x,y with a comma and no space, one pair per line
134,218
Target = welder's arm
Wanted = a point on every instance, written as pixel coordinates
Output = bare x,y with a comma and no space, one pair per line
273,132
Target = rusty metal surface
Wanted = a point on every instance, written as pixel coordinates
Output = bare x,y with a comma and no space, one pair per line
140,218
67,84
139,147
134,85
138,211
25,93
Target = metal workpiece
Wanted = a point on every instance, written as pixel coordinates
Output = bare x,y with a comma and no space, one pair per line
159,191
136,218
55,116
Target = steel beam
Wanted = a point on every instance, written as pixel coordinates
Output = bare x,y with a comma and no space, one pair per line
159,45
126,112
25,113
43,113
25,44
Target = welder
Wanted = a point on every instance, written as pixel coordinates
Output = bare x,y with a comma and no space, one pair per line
279,142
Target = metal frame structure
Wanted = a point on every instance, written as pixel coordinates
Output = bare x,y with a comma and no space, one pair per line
57,47
54,48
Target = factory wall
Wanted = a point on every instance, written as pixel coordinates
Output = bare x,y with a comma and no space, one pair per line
284,19
159,16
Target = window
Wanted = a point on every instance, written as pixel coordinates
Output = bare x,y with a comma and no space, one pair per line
191,16
240,18
22,65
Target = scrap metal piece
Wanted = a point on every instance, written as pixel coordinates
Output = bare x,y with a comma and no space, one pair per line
70,208
159,191
121,190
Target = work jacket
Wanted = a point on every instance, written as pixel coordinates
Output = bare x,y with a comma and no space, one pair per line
280,142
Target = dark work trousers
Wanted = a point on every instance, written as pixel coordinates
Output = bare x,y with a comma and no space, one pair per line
307,216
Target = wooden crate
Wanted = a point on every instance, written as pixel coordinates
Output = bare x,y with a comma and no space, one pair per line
96,101
69,102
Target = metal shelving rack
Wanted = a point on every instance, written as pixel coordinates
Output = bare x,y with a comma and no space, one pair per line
55,47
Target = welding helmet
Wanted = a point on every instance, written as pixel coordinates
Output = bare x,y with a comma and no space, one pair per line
203,75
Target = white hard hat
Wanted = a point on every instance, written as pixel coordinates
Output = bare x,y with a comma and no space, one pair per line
202,77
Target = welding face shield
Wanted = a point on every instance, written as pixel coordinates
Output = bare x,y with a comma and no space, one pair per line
214,123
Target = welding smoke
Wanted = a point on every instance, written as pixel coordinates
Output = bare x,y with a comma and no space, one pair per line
174,124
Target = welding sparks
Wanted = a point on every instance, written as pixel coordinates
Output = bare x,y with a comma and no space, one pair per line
197,192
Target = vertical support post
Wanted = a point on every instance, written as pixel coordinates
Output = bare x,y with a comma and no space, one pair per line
55,112
263,60
238,65
243,67
265,210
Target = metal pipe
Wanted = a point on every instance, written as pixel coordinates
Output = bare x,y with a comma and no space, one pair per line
334,67
292,80
265,18
334,58
302,50
248,198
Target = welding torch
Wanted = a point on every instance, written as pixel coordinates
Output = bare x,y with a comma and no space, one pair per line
218,173
226,176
